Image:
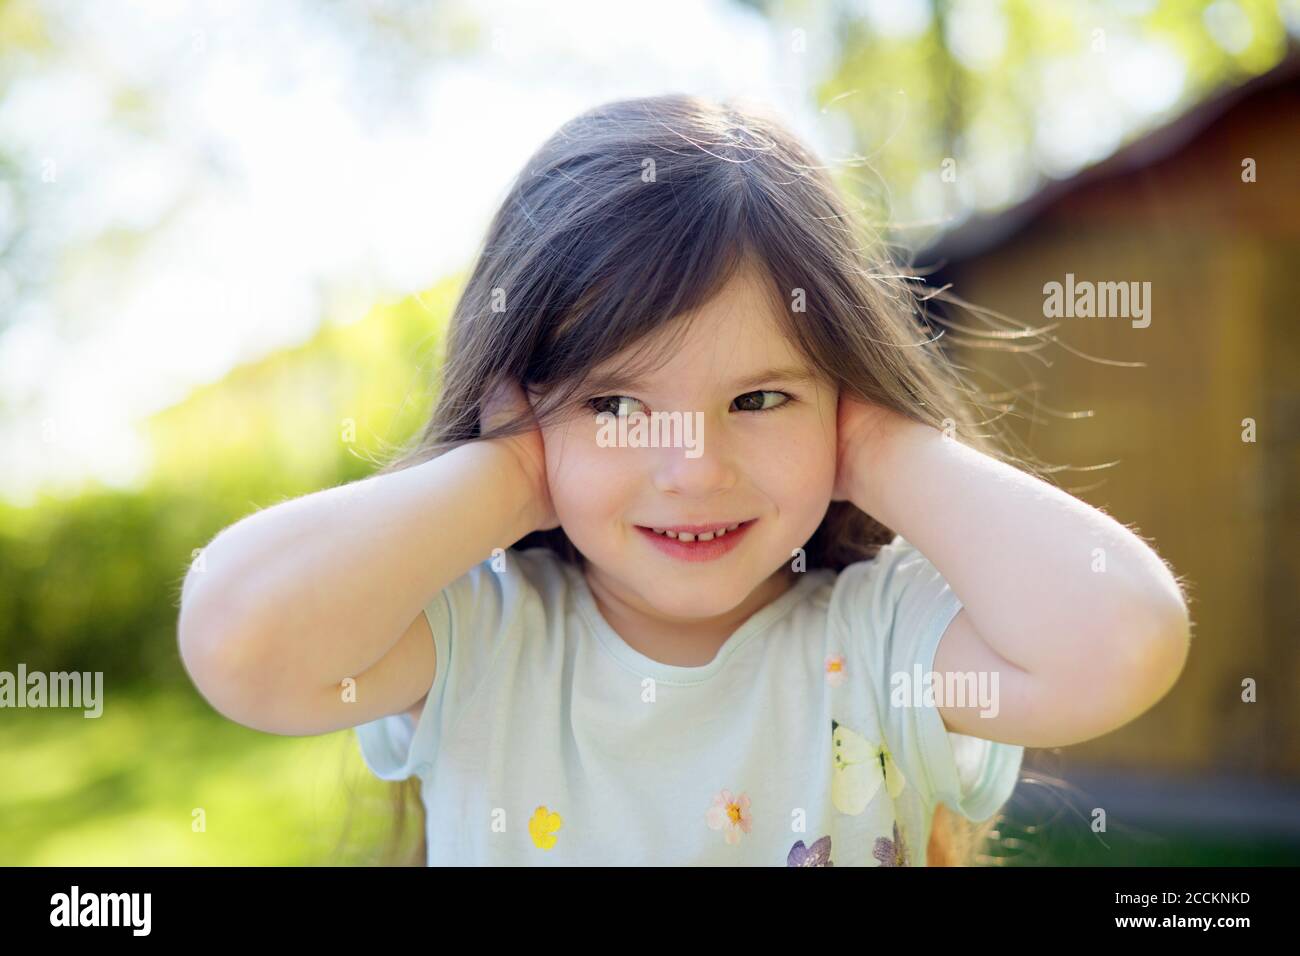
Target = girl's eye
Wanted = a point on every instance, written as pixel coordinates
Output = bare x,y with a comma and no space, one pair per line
620,404
747,404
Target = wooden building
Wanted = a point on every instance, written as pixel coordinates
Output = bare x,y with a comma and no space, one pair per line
1178,209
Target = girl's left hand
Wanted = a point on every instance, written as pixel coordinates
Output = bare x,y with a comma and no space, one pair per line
864,431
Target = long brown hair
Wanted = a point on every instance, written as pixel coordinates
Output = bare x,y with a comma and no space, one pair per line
640,210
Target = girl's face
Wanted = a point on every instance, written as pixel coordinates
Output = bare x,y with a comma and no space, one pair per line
774,468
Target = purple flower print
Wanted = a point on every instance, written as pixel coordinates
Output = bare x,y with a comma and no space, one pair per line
891,852
818,855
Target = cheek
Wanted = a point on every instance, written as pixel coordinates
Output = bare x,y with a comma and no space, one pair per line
796,462
587,483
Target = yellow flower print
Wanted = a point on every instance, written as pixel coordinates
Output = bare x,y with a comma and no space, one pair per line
542,827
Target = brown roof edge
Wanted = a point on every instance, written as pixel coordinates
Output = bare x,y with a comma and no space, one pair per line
982,233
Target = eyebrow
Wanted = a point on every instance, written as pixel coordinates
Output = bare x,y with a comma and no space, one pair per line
791,376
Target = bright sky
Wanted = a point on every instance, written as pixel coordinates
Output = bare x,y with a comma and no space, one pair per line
289,171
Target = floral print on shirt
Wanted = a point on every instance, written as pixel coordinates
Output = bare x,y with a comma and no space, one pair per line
542,827
730,815
835,672
859,767
891,852
819,854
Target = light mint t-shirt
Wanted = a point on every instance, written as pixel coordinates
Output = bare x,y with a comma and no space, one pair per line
547,740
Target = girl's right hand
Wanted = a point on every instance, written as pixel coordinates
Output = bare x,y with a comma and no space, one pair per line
503,402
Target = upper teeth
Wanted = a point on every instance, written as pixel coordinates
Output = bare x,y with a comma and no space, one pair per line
705,536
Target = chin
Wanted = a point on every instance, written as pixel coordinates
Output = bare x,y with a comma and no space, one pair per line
690,603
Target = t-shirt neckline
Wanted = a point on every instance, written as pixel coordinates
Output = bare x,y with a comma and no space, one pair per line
633,659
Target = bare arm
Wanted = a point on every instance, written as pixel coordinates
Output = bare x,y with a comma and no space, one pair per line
1078,650
299,596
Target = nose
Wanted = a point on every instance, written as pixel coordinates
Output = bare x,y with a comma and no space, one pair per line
712,470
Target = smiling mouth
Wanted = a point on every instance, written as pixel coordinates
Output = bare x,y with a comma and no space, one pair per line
698,532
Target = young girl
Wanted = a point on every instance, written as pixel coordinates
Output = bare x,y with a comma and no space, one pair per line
781,637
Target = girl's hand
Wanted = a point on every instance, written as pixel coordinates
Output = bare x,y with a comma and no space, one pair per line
504,402
865,433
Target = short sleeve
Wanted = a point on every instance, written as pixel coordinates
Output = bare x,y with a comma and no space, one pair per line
470,620
900,606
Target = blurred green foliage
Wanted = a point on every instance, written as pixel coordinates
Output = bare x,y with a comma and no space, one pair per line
92,583
996,88
160,780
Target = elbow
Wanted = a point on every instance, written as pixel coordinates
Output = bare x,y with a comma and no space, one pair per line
1166,634
1149,655
1126,665
1167,629
216,648
1171,646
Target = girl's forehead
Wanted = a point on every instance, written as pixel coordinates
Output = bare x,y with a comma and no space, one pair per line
738,333
752,359
742,317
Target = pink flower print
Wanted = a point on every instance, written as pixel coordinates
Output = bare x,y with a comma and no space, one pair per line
891,852
731,815
834,668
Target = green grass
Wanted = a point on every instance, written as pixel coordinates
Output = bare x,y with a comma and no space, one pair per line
1067,840
123,789
1055,847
